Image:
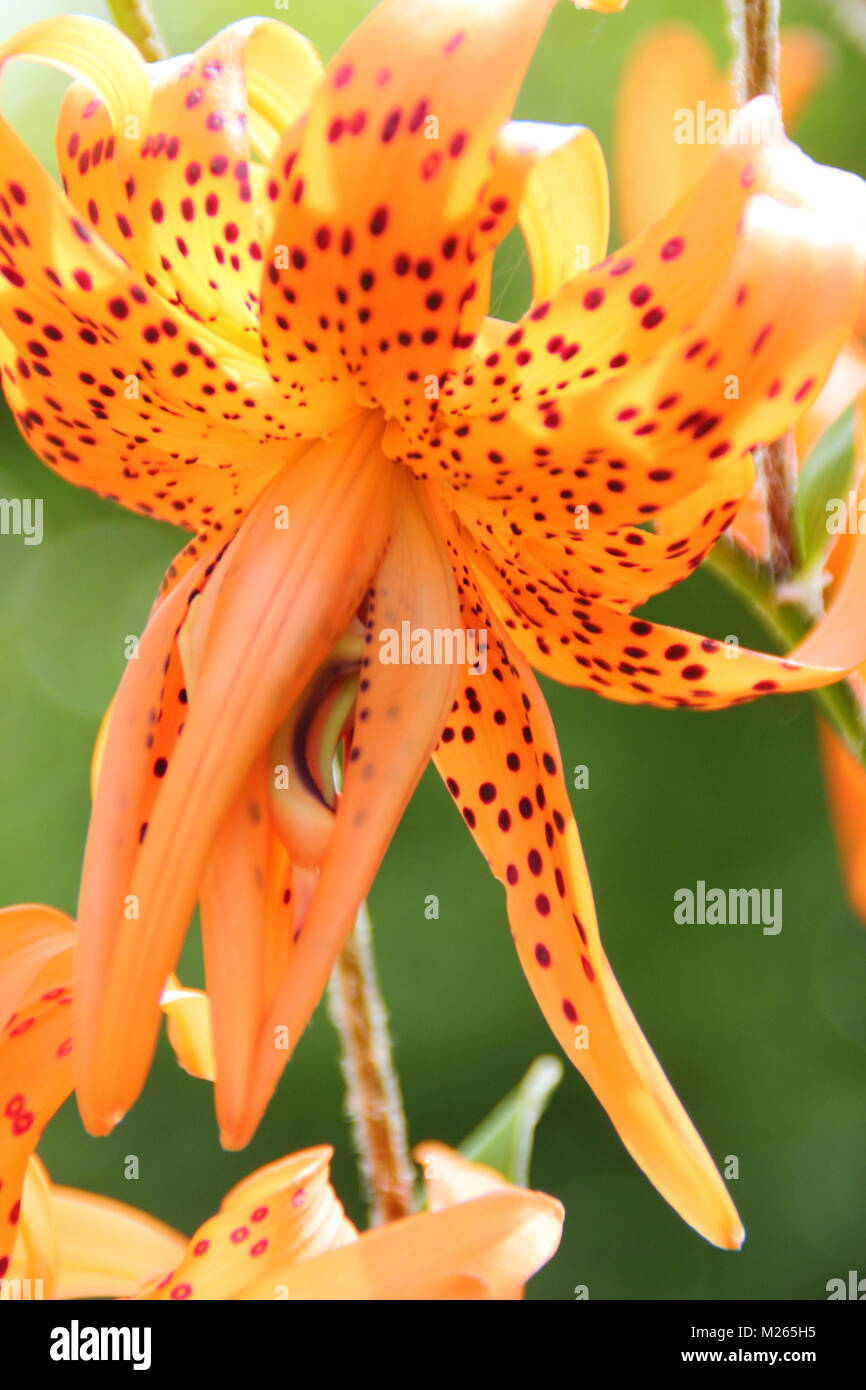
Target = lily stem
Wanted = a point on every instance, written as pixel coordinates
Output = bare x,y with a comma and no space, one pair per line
755,25
373,1093
138,22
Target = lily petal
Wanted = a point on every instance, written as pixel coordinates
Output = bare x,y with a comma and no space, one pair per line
487,1248
641,413
172,193
35,1254
565,210
35,1062
285,1214
270,612
248,914
500,761
190,1030
378,288
106,1249
450,1178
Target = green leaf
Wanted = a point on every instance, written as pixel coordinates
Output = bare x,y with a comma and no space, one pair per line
504,1140
825,474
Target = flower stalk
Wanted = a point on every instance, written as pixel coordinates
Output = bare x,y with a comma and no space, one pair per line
373,1095
755,25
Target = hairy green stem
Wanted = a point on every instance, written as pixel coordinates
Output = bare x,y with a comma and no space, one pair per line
137,20
755,26
373,1096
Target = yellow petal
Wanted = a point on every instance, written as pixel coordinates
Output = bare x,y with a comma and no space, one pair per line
107,1249
189,1028
565,211
35,1256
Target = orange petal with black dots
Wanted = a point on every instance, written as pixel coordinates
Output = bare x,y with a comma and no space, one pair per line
741,367
284,1214
586,643
117,385
500,761
387,197
35,1046
169,186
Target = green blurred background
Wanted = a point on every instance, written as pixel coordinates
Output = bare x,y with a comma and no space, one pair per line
764,1037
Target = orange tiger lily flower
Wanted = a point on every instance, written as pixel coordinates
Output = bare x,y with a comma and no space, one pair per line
280,280
37,946
282,1233
670,71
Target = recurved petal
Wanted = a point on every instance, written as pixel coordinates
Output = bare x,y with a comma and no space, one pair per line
114,385
269,613
277,1219
584,642
31,936
739,373
627,564
403,700
386,197
564,213
169,186
146,716
500,761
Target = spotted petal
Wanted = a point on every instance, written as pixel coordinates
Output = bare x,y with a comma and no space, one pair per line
500,761
386,198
